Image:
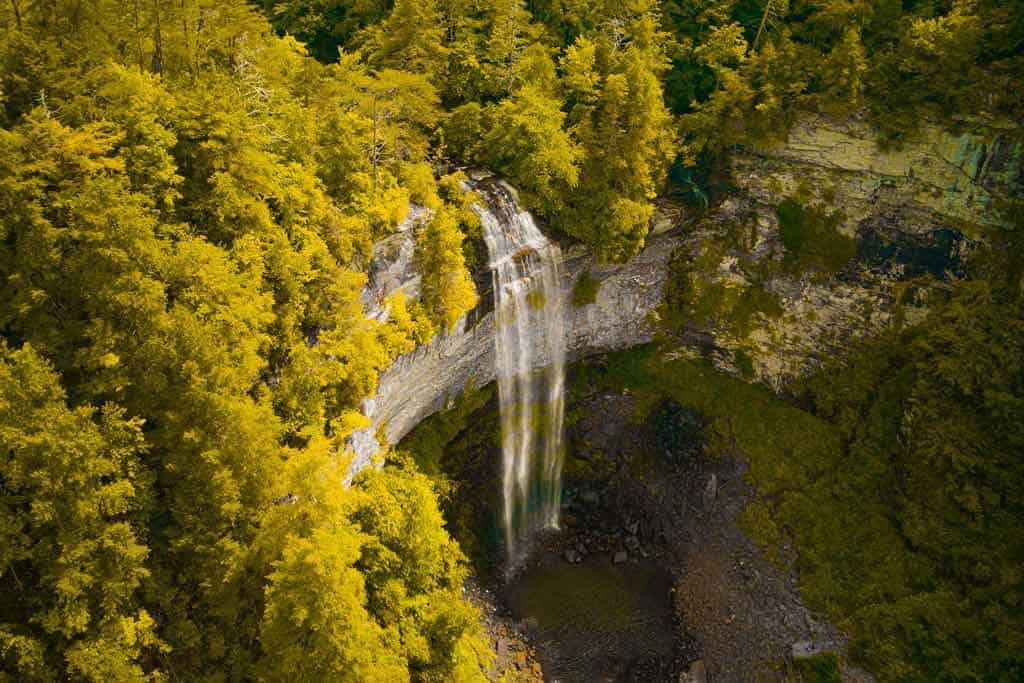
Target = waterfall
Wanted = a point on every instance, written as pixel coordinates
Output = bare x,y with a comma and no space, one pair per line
530,358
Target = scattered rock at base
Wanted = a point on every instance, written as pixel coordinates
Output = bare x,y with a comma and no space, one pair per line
620,557
571,556
807,648
710,491
695,674
502,649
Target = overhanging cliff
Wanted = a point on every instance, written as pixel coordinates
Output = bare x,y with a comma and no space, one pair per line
912,211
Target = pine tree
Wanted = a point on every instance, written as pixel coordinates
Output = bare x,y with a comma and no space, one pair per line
412,39
72,561
448,290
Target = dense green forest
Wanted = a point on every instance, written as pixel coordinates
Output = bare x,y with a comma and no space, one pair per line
189,194
186,203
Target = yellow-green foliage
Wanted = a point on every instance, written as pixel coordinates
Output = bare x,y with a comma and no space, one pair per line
811,239
443,447
185,348
448,289
364,583
454,193
72,552
569,99
188,200
697,292
734,83
584,291
585,106
823,668
528,143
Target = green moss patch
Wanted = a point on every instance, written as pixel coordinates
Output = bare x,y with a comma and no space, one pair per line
822,668
812,240
584,292
695,292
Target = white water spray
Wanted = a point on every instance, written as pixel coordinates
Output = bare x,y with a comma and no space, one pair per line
530,343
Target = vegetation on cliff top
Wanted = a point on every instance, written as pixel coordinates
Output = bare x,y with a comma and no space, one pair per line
188,204
586,105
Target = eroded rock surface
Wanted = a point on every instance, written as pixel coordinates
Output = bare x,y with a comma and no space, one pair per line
952,178
913,211
425,380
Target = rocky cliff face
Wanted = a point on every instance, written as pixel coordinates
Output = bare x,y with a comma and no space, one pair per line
940,179
425,380
911,211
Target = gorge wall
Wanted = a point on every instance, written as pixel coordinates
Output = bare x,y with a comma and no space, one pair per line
425,380
913,211
913,216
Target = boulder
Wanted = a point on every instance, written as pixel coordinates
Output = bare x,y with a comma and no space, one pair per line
710,491
697,673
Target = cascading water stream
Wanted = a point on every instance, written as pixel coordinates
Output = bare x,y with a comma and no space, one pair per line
530,351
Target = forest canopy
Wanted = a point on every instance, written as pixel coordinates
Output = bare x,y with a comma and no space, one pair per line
591,107
188,205
189,195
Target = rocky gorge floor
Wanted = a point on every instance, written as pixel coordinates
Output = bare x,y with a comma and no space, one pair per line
650,577
740,612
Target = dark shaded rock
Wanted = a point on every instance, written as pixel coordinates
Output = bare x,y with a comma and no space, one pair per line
620,557
678,430
885,249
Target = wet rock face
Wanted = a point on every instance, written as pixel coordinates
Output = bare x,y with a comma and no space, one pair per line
425,380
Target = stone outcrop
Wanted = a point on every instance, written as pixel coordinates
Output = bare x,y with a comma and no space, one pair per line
393,264
939,178
913,210
425,380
